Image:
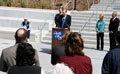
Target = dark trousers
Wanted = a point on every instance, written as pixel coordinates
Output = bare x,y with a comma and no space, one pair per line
100,36
112,40
28,34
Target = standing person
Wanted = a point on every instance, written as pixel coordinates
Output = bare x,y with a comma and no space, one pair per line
8,57
113,28
66,20
100,26
75,57
111,62
25,61
58,17
59,50
26,25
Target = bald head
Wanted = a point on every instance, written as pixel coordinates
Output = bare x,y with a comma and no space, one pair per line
20,32
114,14
21,35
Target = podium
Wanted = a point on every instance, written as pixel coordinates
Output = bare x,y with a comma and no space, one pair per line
57,34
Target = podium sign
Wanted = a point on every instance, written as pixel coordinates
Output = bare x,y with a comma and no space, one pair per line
57,34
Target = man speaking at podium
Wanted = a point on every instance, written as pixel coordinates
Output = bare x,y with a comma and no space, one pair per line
65,21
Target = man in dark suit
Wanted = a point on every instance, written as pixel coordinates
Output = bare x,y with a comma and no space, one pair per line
111,62
66,20
113,28
58,17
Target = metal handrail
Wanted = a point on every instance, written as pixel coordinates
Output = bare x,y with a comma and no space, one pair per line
88,4
41,29
82,28
68,3
88,20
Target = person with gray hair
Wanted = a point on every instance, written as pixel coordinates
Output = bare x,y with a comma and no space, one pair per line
113,28
60,68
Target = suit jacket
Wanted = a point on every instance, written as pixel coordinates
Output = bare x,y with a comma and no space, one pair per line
8,58
113,26
67,22
58,20
111,62
78,64
57,51
24,70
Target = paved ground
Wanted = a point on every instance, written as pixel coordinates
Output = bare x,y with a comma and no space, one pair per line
44,55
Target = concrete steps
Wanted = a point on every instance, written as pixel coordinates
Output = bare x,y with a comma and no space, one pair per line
11,18
15,22
27,13
89,33
8,33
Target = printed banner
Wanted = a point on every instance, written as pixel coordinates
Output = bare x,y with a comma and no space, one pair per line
57,35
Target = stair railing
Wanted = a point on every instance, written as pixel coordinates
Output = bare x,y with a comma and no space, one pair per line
68,3
41,28
87,22
89,19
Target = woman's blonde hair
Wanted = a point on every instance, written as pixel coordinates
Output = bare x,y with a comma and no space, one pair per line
65,37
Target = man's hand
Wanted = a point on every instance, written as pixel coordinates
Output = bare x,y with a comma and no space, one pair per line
110,31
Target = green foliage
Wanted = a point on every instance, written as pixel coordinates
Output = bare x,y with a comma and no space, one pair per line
9,2
86,8
33,5
1,2
42,5
45,4
24,3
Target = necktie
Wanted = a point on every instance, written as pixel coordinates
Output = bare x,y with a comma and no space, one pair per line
113,19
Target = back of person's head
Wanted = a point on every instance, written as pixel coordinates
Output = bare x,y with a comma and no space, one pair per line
117,36
74,44
25,55
65,37
60,68
21,35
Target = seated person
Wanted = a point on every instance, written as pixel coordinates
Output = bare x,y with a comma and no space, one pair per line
75,57
25,62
